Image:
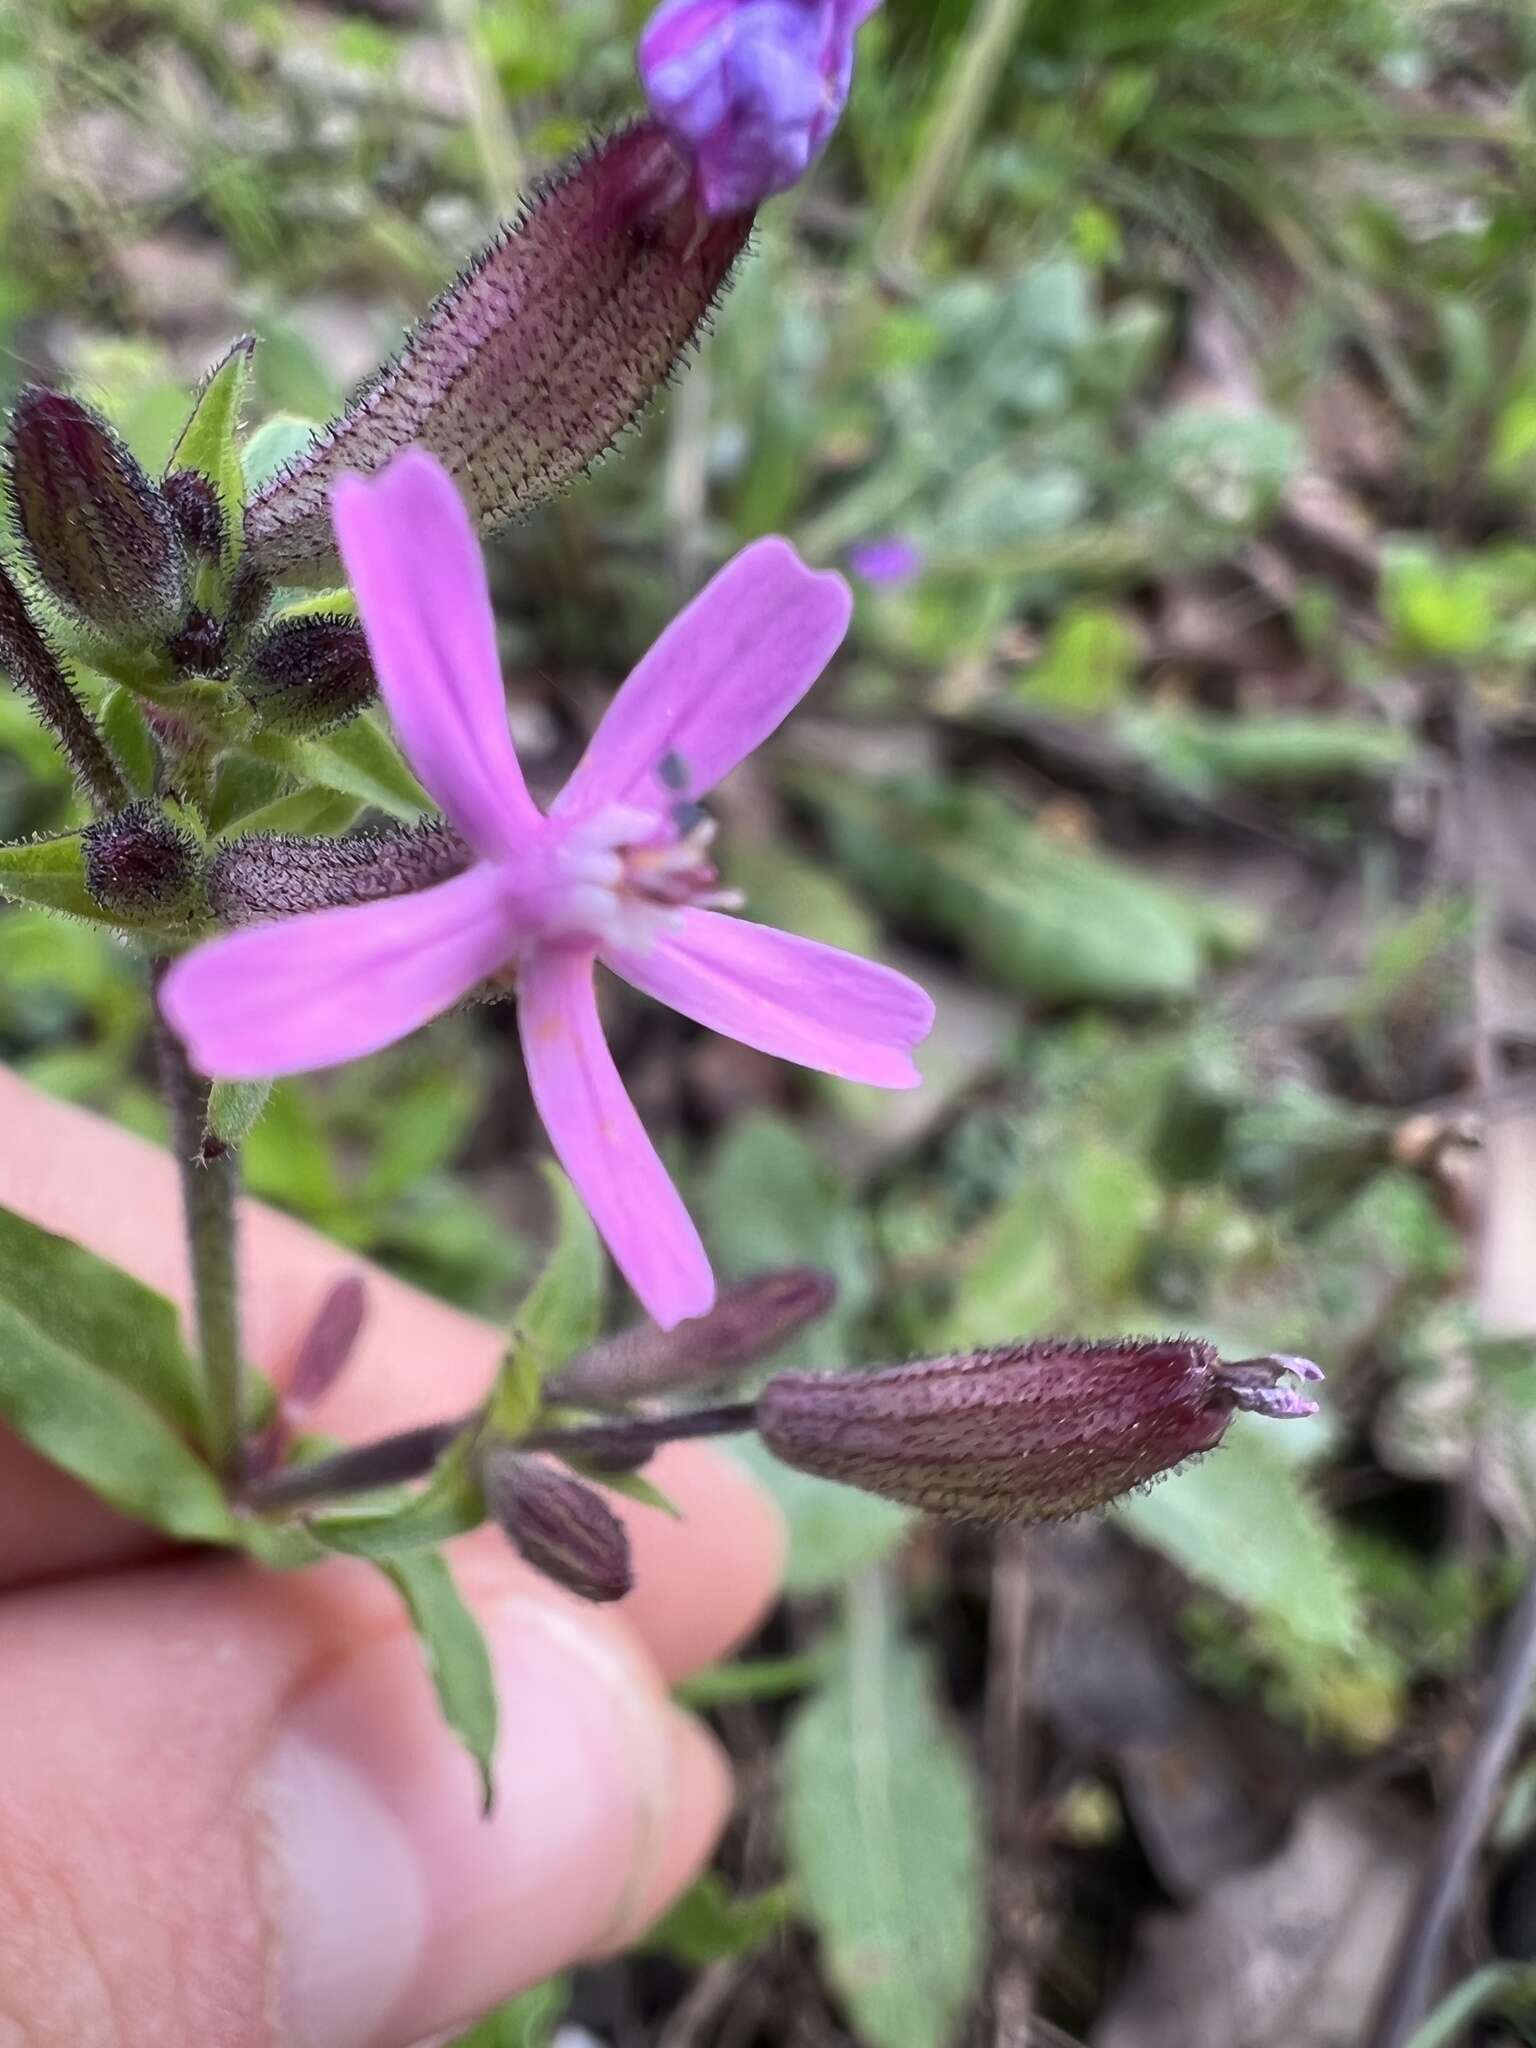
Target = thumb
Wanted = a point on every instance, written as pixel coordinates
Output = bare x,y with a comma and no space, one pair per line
233,1812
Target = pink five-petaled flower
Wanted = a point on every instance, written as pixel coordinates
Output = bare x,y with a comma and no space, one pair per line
616,871
752,89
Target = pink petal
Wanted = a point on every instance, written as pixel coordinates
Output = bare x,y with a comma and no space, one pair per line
787,996
720,679
331,985
415,564
600,1142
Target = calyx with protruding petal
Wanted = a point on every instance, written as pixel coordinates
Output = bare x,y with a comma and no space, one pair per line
1027,1432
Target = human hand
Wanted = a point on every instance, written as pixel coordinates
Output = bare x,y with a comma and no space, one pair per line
231,1814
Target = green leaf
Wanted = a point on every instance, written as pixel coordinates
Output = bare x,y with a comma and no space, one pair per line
305,813
106,1315
361,761
235,1107
1086,666
51,874
707,1925
324,604
94,1375
527,2021
1242,1521
883,1836
1202,752
457,1659
450,1504
127,734
209,441
563,1310
274,444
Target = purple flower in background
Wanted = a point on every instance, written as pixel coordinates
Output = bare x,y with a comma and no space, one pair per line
751,89
618,870
888,562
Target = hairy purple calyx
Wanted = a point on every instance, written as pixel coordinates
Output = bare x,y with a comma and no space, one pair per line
532,364
1028,1432
557,1523
101,536
748,1321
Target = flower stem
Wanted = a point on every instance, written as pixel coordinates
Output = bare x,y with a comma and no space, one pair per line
621,1443
209,1176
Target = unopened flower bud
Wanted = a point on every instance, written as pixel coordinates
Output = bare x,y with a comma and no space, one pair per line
269,874
142,867
198,644
101,536
308,675
1030,1432
747,1321
198,514
561,1526
532,364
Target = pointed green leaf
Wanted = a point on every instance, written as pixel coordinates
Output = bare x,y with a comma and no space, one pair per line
103,1313
93,1375
209,442
361,761
51,874
235,1107
457,1659
882,1829
305,813
127,733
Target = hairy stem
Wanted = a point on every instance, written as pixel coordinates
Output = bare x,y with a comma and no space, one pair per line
209,1177
624,1442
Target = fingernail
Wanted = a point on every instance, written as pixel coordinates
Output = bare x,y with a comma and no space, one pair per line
396,1909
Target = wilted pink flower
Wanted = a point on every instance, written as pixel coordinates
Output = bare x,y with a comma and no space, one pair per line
752,89
618,870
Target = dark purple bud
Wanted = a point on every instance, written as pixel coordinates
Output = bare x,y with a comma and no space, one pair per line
100,535
560,1525
308,675
748,1321
34,668
1027,1433
198,644
324,1353
532,364
270,875
143,868
198,514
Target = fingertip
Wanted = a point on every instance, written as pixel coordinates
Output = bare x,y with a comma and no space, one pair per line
706,1577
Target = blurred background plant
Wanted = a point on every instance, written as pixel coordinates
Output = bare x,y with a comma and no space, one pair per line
1188,350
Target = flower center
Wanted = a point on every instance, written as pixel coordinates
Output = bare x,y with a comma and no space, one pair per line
627,872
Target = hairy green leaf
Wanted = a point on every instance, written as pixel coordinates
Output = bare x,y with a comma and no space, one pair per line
457,1659
883,1833
93,1375
209,443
